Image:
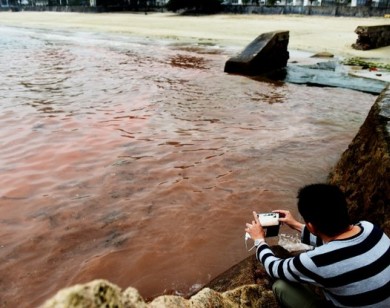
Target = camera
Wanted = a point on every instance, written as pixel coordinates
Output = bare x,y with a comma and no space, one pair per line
270,222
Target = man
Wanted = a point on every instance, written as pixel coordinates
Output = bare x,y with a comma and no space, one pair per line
350,262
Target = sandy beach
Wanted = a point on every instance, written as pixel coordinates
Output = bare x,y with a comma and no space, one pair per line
307,33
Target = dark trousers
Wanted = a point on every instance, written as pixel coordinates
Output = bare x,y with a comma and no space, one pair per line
296,295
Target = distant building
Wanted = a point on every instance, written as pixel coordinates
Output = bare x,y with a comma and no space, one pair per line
128,3
370,3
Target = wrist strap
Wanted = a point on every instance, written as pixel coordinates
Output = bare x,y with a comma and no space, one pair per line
259,241
255,244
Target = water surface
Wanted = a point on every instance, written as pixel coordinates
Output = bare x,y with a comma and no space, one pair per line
139,161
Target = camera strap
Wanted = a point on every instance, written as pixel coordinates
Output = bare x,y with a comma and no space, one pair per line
246,244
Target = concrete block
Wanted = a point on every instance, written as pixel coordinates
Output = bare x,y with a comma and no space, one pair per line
267,53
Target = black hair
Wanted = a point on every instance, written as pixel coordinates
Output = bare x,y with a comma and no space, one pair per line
325,207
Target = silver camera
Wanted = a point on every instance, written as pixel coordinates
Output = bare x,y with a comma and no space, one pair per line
270,222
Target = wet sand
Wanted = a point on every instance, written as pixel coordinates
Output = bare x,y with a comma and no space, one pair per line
307,33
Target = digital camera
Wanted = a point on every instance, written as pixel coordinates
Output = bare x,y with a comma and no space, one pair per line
270,223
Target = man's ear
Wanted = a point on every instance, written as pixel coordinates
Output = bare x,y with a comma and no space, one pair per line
311,228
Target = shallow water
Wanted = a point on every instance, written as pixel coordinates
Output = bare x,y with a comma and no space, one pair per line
139,161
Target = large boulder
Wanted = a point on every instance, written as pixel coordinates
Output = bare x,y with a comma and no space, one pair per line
97,293
265,54
371,37
363,172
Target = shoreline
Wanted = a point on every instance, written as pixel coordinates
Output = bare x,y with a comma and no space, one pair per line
307,33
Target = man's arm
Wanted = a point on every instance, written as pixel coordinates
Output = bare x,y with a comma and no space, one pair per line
306,237
287,218
287,269
291,269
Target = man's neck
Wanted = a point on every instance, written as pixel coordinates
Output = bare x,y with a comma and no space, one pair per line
349,232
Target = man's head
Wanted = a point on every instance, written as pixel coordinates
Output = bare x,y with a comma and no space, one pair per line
325,207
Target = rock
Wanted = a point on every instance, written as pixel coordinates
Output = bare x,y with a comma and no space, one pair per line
240,274
363,171
328,66
267,53
169,301
207,298
371,37
101,293
132,299
318,76
97,293
323,54
251,296
246,296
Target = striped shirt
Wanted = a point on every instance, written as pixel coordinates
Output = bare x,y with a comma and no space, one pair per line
352,272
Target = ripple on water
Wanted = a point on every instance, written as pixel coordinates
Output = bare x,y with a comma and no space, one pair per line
124,160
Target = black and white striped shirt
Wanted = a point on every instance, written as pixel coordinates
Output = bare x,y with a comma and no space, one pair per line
353,272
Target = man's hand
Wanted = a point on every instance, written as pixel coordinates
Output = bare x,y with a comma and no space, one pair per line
287,218
255,229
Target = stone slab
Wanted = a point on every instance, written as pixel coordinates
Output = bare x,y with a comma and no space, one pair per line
328,78
267,53
371,37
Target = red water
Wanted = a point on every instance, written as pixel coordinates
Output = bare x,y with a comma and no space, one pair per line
141,161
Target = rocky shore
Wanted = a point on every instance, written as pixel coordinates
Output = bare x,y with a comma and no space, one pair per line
363,174
364,168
